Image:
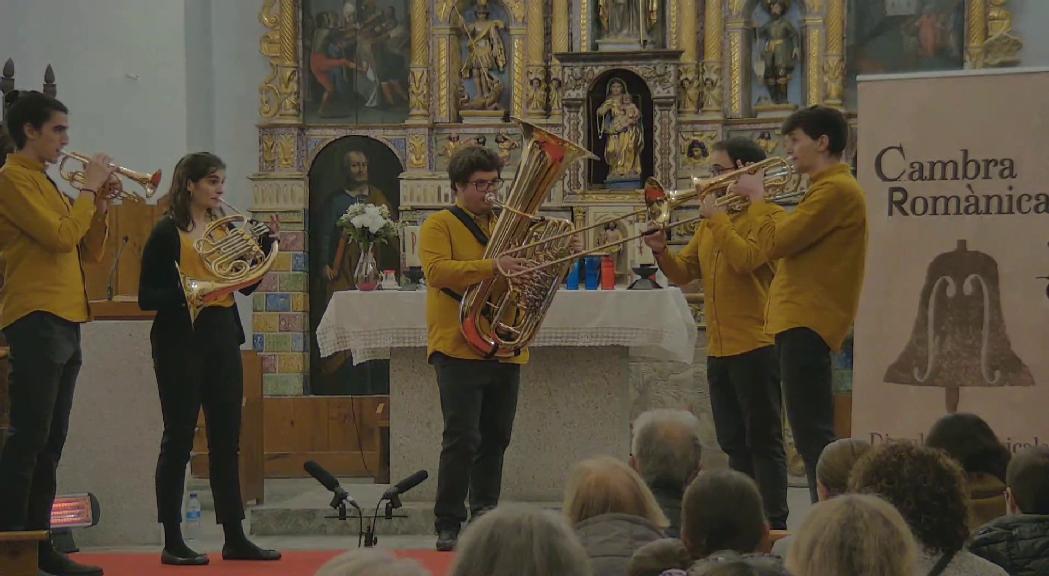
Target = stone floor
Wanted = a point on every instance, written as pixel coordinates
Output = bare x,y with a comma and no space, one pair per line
294,517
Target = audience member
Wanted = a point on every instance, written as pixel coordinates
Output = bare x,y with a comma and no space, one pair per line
514,540
1019,543
928,489
854,535
371,562
613,512
969,440
666,452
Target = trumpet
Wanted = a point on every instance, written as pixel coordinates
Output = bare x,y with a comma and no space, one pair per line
114,187
778,175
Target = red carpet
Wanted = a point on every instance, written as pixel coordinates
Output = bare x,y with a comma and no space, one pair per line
294,563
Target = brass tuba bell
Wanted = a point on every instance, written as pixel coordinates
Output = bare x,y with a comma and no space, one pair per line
231,249
959,336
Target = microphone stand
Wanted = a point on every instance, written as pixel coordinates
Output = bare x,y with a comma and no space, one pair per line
370,539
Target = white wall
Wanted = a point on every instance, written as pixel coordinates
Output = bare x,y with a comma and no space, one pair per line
1030,21
147,81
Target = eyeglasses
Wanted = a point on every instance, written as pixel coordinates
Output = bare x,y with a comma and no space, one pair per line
487,185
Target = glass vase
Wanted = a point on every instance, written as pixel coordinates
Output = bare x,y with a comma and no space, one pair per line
366,275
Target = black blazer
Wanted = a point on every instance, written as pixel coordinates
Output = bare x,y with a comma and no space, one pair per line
159,287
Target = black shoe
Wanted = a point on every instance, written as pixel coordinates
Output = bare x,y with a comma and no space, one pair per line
478,513
248,552
58,564
447,538
173,560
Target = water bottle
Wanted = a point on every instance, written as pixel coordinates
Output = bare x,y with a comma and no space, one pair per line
191,528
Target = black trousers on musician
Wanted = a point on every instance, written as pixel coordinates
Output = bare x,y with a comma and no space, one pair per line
202,371
45,360
746,400
478,402
805,366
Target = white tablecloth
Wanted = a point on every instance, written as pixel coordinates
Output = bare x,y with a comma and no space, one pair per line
654,324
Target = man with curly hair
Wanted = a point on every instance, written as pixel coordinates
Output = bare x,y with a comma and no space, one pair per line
929,490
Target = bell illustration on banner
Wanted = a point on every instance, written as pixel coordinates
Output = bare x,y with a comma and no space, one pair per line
959,337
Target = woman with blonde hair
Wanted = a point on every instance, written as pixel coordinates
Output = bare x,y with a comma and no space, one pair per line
516,540
371,562
613,512
859,535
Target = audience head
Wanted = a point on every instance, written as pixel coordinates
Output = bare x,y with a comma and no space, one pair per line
1027,479
743,568
655,558
858,535
666,449
722,510
520,541
925,485
371,562
835,464
605,485
969,439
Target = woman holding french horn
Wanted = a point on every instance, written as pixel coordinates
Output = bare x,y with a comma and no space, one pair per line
189,278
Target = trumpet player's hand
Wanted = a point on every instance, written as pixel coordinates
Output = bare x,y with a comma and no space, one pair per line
507,264
656,239
97,173
752,186
709,207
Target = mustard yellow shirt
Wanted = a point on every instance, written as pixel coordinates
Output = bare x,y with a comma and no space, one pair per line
821,247
41,239
736,275
452,258
192,266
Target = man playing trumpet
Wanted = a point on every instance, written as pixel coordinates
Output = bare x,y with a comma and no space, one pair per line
741,364
821,247
42,304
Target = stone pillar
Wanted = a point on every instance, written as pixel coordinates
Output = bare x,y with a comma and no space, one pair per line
713,32
419,72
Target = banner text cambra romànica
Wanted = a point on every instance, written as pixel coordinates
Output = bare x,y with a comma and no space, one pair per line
954,314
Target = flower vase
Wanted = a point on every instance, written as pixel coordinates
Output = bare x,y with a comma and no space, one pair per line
366,275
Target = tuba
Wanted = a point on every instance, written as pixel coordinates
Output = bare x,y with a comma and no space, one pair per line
231,249
148,182
500,316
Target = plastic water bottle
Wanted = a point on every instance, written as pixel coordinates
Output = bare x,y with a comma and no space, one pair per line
191,527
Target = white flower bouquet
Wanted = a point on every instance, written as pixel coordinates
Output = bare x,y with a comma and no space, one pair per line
368,224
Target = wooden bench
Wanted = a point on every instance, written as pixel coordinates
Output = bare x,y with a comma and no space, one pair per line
18,552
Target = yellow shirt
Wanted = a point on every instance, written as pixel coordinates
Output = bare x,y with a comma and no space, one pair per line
41,236
736,276
821,247
452,258
192,266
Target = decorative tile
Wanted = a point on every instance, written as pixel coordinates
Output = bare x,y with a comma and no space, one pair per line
264,322
292,241
282,263
278,302
299,302
269,283
279,343
282,384
291,363
292,322
269,363
299,263
292,282
258,302
258,342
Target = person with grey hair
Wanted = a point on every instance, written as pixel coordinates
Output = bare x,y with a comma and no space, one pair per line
666,452
517,540
371,562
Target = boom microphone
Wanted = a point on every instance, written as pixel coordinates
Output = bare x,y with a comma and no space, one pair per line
406,484
329,482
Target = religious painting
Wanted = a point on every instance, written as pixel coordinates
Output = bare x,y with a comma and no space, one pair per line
612,230
889,36
504,142
622,25
776,57
768,138
355,61
696,148
348,171
485,56
620,129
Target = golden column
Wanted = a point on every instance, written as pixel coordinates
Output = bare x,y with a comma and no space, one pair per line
688,99
813,59
976,33
419,72
738,36
713,32
558,43
536,95
279,92
834,65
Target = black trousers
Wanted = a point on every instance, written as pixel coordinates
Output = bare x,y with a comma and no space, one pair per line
202,371
804,360
746,400
45,360
479,402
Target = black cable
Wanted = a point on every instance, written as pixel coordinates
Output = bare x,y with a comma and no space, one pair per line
357,431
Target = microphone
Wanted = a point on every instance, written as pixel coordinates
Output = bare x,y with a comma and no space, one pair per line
113,269
405,485
329,482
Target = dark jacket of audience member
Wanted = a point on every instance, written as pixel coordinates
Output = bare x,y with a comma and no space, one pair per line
971,442
762,563
611,539
671,554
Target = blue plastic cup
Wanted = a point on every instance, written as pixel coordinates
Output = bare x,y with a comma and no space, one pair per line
572,282
593,271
